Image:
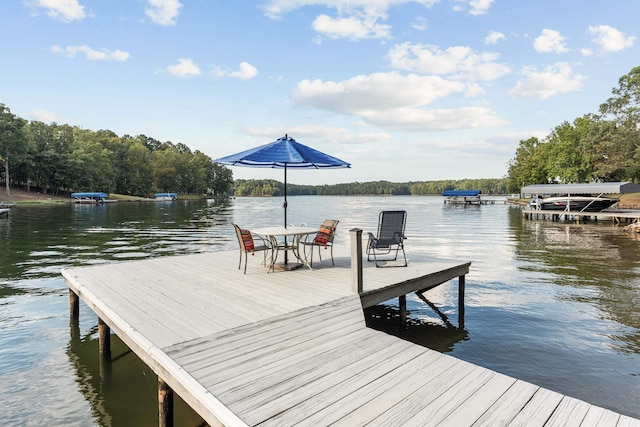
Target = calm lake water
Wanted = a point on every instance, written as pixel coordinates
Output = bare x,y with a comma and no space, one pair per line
554,304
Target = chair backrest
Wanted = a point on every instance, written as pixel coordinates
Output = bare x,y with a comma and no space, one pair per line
245,240
327,232
391,225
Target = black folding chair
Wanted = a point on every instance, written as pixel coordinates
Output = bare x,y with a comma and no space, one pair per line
390,238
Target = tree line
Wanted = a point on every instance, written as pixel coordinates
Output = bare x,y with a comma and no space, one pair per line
602,146
269,187
59,159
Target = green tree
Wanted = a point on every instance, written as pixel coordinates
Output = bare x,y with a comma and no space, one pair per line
136,171
568,151
13,142
528,165
621,148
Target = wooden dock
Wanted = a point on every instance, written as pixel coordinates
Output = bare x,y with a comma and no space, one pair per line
292,348
617,216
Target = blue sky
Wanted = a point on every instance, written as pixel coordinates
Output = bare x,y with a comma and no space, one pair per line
403,90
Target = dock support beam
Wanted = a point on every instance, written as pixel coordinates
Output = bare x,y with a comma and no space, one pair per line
461,280
356,260
165,404
104,339
74,305
402,306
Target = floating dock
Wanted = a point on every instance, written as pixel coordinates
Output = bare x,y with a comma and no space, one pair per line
292,348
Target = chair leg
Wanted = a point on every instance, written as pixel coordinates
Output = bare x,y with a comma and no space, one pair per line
375,258
240,261
245,263
332,263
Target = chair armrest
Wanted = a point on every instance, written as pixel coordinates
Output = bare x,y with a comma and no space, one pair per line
398,235
265,242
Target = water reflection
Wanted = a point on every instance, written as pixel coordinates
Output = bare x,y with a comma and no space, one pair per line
421,327
591,264
39,241
121,391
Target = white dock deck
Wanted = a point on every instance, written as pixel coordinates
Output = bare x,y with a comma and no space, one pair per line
292,348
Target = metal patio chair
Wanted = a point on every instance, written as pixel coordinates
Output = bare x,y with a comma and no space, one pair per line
248,246
390,237
323,239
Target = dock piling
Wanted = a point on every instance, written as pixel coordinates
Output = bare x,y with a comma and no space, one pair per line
165,404
74,305
461,285
402,306
356,260
104,339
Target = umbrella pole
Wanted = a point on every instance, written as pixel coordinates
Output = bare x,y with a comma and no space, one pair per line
285,213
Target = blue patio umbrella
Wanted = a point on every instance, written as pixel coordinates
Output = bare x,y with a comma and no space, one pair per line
284,153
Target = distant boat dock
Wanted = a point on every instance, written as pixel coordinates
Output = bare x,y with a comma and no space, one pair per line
292,348
465,197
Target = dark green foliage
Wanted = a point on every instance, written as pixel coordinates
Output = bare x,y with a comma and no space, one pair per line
604,146
58,159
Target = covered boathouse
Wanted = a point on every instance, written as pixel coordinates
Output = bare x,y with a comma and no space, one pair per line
593,188
597,189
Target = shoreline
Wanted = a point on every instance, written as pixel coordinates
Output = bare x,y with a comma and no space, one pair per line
22,197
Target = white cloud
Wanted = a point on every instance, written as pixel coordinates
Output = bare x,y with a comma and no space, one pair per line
475,7
184,68
245,71
494,37
553,80
585,51
352,27
419,24
43,115
610,39
61,10
354,20
378,91
91,54
163,12
428,120
457,61
276,8
480,7
393,101
550,41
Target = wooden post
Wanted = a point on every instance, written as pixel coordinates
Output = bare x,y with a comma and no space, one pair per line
461,280
165,404
402,303
74,305
356,260
104,338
